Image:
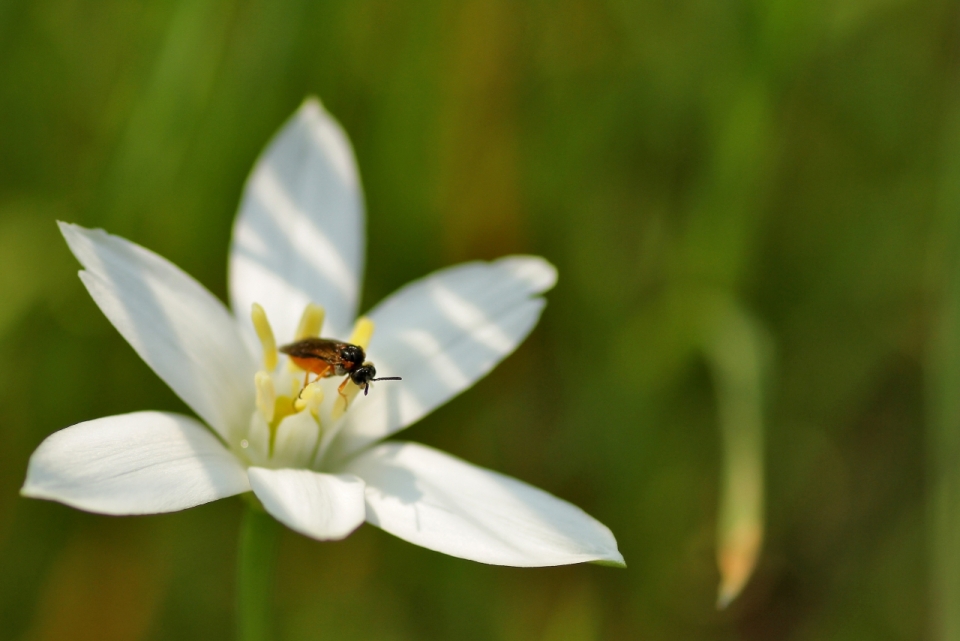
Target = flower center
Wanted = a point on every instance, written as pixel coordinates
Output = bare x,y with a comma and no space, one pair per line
287,430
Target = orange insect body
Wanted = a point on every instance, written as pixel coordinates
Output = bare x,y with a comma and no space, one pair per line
314,366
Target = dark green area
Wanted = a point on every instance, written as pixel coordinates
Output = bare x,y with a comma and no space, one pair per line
799,157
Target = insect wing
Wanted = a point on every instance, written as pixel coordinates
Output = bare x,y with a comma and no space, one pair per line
322,349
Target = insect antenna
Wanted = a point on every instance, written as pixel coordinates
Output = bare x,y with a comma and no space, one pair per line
366,388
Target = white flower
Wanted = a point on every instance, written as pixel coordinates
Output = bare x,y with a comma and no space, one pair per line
322,471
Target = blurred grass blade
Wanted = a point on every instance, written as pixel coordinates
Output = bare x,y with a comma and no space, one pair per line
166,118
735,348
944,470
943,399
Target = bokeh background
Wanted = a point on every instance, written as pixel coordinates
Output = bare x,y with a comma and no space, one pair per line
793,165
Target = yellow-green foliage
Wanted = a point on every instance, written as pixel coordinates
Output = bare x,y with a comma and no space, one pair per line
795,159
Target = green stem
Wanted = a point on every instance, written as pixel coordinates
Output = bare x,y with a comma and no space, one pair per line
256,562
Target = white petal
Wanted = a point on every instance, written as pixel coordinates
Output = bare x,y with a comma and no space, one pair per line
255,447
296,440
299,235
322,506
441,334
437,501
176,326
141,463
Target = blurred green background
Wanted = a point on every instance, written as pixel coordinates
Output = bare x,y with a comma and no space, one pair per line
796,161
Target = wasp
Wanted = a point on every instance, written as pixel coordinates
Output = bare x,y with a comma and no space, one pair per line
327,357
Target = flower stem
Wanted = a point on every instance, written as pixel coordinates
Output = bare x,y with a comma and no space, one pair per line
256,562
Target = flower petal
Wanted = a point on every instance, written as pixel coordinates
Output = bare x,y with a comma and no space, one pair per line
437,501
296,440
441,334
322,506
140,463
299,235
176,326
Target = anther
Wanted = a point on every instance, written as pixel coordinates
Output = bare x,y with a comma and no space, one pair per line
362,332
310,398
346,395
311,322
266,396
265,334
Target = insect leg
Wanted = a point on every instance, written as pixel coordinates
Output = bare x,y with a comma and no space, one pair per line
340,389
306,377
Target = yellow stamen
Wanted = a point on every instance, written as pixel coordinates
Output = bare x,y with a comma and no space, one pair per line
265,334
310,323
283,407
362,332
266,395
310,398
314,403
340,406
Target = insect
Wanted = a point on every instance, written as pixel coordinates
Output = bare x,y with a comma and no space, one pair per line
326,357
